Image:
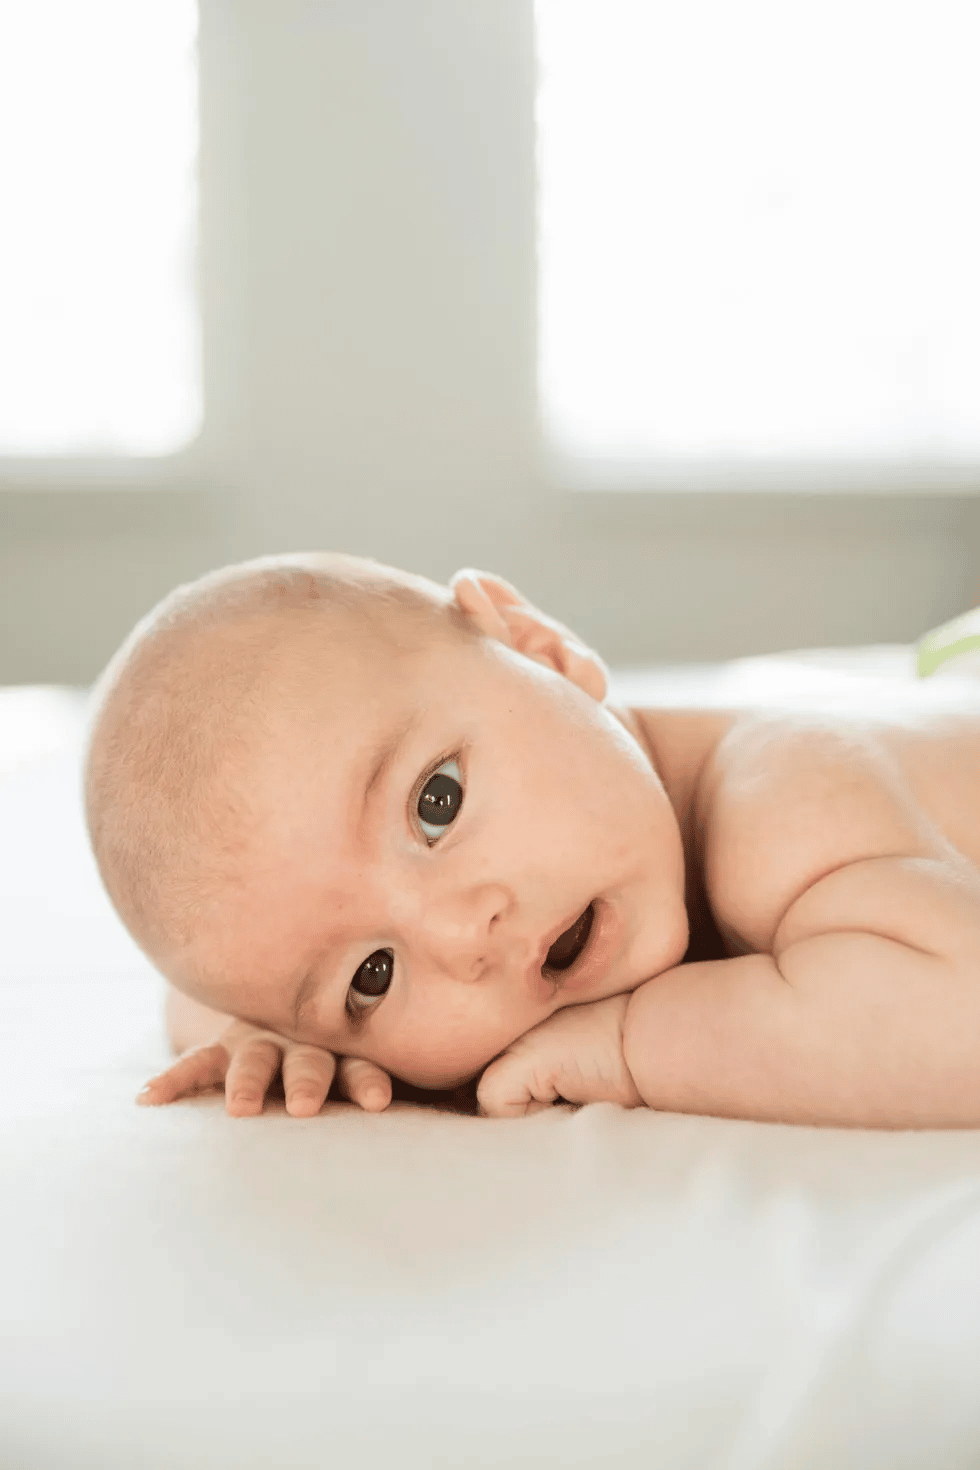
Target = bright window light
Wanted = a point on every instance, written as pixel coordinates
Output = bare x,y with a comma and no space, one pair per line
759,230
99,328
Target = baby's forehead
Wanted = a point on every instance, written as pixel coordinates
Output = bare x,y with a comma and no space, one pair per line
334,697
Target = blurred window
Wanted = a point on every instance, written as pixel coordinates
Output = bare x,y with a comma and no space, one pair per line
99,329
759,229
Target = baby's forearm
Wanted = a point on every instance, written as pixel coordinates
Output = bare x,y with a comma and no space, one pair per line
702,1038
189,1023
847,1029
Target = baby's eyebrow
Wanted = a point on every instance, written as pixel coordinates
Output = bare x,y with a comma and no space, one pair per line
306,992
303,997
385,754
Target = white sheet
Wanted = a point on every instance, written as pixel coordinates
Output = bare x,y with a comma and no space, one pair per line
590,1288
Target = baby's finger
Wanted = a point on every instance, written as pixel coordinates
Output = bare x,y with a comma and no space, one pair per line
249,1076
307,1073
364,1083
197,1070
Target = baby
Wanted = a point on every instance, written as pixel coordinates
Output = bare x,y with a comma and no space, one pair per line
370,827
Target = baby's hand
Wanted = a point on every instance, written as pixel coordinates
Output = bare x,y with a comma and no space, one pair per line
576,1055
247,1059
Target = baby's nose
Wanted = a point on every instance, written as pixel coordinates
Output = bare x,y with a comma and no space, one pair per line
460,930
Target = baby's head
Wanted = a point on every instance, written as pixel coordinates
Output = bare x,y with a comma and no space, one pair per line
388,817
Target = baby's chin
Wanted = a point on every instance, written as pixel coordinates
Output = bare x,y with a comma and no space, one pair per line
440,1079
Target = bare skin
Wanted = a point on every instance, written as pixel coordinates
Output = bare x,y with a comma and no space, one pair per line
829,865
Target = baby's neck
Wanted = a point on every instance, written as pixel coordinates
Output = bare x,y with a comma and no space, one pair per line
679,744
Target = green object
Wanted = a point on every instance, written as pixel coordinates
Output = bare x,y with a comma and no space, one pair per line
960,636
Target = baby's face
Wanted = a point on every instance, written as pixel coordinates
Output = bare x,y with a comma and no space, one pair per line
422,841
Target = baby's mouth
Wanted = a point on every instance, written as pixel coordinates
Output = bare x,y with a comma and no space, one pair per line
569,945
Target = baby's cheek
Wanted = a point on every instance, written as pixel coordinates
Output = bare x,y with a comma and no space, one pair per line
446,1056
440,1072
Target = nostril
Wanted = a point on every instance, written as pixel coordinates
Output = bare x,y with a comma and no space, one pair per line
491,908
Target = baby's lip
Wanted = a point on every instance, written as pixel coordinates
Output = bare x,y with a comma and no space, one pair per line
593,961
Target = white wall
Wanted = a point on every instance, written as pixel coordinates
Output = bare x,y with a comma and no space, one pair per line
368,278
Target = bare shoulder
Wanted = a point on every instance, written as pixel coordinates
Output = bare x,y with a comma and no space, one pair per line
788,798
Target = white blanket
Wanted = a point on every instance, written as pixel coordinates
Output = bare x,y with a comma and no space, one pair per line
418,1289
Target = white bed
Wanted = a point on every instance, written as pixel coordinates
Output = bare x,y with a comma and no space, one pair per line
420,1289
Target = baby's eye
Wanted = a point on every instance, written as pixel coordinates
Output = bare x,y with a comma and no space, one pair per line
371,980
440,800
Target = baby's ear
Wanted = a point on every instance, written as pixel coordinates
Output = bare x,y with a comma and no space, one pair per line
499,611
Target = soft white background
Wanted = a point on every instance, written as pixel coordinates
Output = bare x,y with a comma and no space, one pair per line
368,279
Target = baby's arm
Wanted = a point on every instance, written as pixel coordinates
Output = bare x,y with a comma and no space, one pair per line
218,1049
866,1013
